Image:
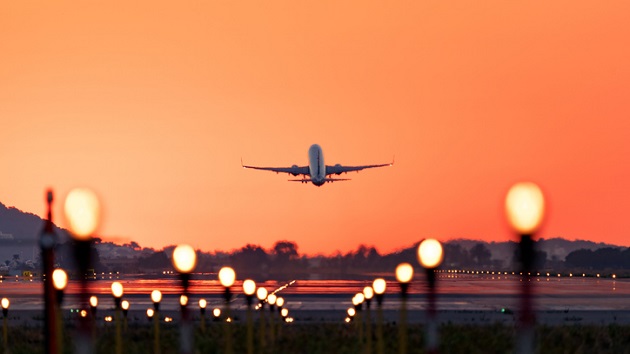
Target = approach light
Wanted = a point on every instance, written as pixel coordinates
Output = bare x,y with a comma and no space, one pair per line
404,273
430,253
184,258
227,277
82,210
60,279
525,207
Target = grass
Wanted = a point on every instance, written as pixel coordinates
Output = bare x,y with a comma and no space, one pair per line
333,338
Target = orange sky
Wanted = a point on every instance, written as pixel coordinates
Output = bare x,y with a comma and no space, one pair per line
154,103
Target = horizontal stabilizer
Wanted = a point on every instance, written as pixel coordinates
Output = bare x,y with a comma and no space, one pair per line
327,180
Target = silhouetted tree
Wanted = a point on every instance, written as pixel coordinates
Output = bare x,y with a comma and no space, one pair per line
480,254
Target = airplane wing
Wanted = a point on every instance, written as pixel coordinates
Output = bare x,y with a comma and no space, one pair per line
293,170
339,169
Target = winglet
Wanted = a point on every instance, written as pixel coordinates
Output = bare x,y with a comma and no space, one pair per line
393,160
242,163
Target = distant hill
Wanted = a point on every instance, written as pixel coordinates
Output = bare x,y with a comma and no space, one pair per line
554,247
19,233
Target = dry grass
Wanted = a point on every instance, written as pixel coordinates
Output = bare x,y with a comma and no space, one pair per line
341,338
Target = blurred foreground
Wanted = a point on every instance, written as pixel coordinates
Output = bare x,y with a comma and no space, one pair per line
343,338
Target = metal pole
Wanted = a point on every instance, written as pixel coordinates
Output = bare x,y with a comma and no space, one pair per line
156,329
525,338
228,325
250,329
261,331
5,330
432,338
47,243
368,321
186,334
380,345
117,315
402,327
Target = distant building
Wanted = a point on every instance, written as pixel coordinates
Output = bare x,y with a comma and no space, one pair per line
4,236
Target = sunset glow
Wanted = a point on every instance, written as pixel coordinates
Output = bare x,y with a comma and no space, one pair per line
154,104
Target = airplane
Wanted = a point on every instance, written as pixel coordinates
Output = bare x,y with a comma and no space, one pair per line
316,172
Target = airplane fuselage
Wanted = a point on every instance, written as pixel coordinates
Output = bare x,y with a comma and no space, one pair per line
316,165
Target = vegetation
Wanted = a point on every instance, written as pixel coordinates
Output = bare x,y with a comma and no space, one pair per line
342,338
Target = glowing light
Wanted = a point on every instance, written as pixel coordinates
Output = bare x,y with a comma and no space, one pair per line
379,285
525,207
150,313
184,259
430,253
271,299
351,311
125,305
183,300
216,312
404,272
108,318
249,287
60,279
261,294
5,303
83,313
614,276
347,320
82,210
280,302
358,299
156,296
168,319
202,303
284,312
227,276
368,292
93,301
117,289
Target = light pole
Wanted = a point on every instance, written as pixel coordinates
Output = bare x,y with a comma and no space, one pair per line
351,312
82,211
227,277
60,281
47,241
5,325
284,313
216,313
271,299
249,288
357,301
261,294
404,274
93,306
117,293
379,285
202,312
430,256
184,261
156,297
125,311
368,293
525,206
279,305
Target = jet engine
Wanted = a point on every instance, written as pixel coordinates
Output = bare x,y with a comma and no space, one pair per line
338,166
295,167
